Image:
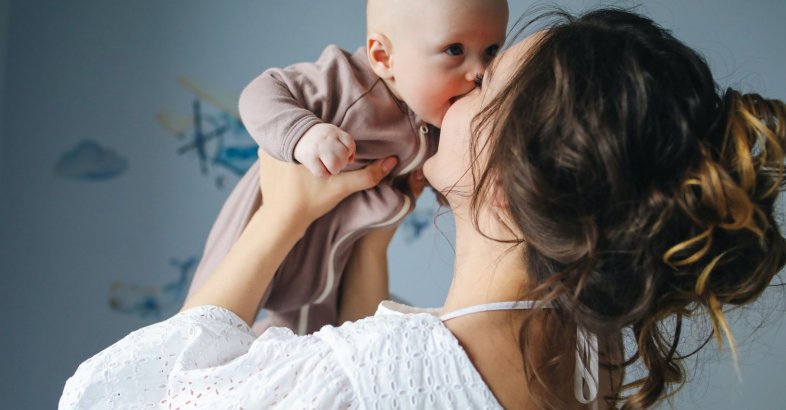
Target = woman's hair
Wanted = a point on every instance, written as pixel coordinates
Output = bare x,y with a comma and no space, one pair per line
642,192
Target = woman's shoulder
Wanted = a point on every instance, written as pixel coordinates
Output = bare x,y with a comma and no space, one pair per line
405,357
393,324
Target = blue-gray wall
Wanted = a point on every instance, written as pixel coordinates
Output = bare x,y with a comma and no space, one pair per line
3,42
102,71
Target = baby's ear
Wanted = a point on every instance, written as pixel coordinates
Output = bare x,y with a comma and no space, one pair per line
378,48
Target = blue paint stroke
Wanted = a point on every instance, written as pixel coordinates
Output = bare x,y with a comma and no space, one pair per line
90,162
237,160
415,224
216,128
153,301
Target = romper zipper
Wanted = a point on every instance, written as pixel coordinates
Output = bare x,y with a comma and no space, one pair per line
331,277
422,133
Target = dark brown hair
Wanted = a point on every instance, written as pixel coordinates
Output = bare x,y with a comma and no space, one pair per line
643,194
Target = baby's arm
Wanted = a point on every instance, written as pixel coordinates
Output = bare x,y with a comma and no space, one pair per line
302,103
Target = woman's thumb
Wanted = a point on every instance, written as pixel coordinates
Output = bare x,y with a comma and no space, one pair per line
387,165
369,176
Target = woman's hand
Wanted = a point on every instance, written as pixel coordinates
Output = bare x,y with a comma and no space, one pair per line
291,192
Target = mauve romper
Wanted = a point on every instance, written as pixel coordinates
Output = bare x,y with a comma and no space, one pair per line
277,108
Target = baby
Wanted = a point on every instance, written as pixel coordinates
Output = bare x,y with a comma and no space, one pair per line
344,111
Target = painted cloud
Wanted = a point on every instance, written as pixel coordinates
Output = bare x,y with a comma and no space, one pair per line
89,161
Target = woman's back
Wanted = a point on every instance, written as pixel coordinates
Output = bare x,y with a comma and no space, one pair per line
490,342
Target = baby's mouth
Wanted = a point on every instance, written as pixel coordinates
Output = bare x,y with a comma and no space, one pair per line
453,99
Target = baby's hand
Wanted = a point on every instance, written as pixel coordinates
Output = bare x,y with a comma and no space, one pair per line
325,150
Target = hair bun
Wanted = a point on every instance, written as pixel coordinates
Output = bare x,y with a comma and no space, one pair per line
734,247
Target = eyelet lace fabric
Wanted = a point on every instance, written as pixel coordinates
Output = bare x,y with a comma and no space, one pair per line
207,357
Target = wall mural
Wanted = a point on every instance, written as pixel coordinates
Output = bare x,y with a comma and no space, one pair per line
212,132
157,301
89,161
413,226
214,135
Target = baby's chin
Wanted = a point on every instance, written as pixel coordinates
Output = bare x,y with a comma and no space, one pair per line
427,169
436,118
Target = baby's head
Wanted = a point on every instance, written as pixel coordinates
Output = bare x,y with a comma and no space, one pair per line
431,52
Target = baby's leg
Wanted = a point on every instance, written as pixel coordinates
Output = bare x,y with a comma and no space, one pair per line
365,281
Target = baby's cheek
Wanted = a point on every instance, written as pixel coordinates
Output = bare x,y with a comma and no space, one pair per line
433,85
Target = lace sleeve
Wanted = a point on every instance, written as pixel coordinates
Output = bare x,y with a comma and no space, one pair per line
208,357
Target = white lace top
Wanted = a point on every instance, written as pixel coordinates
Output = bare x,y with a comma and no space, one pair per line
207,357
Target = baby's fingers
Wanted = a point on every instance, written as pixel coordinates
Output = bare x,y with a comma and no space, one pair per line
316,168
349,143
335,158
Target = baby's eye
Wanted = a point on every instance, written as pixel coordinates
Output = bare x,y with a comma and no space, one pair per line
492,50
455,50
478,80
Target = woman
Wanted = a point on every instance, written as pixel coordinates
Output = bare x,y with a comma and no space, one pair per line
598,183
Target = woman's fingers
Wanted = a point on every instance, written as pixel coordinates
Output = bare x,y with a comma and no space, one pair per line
417,182
291,189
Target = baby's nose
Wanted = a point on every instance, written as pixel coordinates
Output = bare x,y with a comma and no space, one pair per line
475,71
475,74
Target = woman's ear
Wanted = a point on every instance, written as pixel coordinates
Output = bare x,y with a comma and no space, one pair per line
378,48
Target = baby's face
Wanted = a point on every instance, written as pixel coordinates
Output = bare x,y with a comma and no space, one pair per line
445,50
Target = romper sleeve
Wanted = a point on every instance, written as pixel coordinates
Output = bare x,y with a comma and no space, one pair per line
207,357
280,105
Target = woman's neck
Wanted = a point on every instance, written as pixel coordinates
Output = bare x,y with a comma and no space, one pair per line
488,271
485,270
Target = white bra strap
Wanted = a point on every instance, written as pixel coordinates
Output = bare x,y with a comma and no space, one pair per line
519,304
586,372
